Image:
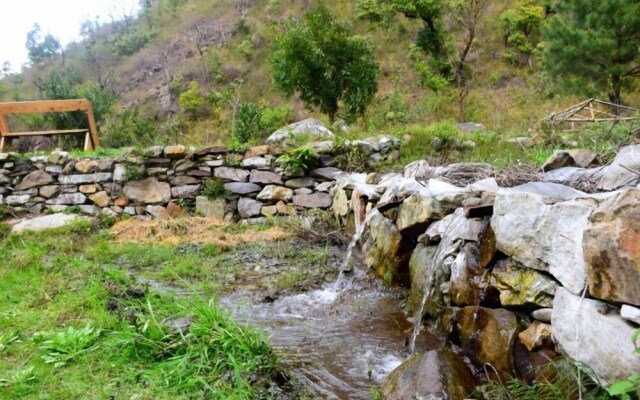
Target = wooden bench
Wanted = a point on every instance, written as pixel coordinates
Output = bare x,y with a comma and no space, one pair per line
91,140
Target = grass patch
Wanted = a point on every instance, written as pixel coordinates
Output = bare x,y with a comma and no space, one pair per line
75,324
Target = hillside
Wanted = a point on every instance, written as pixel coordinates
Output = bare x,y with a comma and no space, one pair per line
147,61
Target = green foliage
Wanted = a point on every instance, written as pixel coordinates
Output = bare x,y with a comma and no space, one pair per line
300,158
214,188
626,388
62,347
521,26
129,129
349,157
594,46
248,123
567,380
41,49
273,118
319,59
191,100
130,43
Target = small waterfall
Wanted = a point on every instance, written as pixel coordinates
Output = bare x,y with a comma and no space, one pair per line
338,286
417,320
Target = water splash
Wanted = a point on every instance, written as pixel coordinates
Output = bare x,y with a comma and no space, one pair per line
338,285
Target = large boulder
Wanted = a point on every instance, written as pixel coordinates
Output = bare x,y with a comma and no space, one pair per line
546,237
148,191
45,222
520,286
593,333
487,336
612,249
35,179
308,128
249,208
385,251
436,374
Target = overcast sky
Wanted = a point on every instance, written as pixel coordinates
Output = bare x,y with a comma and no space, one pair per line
61,18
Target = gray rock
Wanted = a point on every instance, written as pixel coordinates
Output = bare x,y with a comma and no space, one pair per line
523,141
153,151
45,222
148,191
303,190
248,208
300,183
210,207
307,128
265,177
89,209
469,127
68,199
57,208
214,163
326,173
315,200
15,200
257,162
88,178
232,174
34,179
119,172
275,193
543,314
157,212
542,236
54,169
324,186
183,180
242,187
630,313
180,192
600,340
183,165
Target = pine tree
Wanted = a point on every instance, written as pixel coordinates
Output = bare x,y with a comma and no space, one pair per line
594,46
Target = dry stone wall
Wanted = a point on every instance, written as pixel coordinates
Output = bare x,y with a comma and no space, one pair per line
249,185
514,276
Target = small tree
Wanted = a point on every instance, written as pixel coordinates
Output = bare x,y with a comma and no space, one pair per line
594,45
190,100
319,59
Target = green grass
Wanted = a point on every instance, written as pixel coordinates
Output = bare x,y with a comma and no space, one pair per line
75,324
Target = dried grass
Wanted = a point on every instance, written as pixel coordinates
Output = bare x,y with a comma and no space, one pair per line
190,230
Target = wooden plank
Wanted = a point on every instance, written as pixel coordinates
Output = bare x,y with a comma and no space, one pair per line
46,133
1,144
44,106
4,127
93,130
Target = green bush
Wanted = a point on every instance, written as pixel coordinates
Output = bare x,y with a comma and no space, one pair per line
129,129
214,188
130,43
248,123
191,100
301,158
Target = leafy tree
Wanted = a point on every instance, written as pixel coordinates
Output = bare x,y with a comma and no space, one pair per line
190,100
594,45
521,27
42,49
318,58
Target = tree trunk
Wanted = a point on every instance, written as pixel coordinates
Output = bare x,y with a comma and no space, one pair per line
614,94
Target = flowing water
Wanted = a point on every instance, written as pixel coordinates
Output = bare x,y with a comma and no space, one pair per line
339,340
